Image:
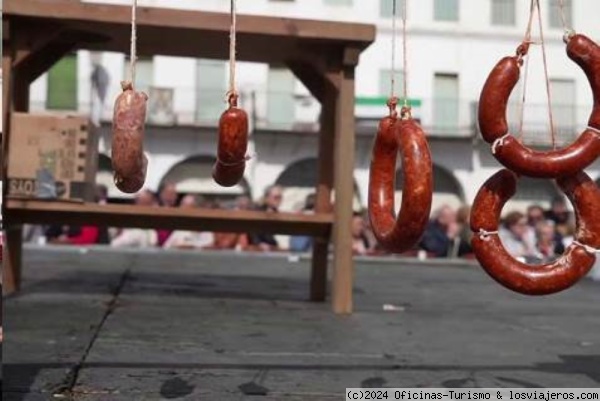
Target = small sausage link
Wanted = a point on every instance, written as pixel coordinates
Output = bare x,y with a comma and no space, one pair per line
128,160
233,144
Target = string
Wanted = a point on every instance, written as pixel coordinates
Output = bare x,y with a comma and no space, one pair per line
527,41
404,54
232,49
563,16
133,51
523,99
393,77
548,91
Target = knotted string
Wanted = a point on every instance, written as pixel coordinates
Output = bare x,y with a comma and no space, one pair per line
133,50
588,248
485,235
232,93
523,52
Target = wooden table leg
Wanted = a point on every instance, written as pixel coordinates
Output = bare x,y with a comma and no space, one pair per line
343,264
320,253
11,260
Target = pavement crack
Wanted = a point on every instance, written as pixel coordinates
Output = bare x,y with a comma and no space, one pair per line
70,380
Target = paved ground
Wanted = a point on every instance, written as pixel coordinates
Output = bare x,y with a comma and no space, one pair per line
115,326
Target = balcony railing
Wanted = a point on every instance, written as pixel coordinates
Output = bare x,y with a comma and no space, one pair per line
286,111
569,122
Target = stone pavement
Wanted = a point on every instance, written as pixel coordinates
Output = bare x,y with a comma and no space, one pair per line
157,325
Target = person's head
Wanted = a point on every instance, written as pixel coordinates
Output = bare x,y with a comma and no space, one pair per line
516,223
243,202
145,198
559,209
358,225
273,196
168,194
309,202
463,214
101,193
544,231
535,215
445,216
188,201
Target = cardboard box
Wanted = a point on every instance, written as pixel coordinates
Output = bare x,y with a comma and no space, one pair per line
52,157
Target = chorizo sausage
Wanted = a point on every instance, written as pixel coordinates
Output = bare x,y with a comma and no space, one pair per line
540,279
401,233
514,155
128,160
233,144
586,53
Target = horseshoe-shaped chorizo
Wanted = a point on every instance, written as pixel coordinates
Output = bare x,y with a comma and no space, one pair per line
549,278
508,150
233,144
128,160
401,233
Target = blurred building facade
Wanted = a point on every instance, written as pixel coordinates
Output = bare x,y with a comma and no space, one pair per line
453,45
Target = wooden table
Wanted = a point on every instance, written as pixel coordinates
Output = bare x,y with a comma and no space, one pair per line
323,55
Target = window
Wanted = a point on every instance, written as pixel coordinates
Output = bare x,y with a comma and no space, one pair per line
385,83
386,8
210,89
445,10
144,73
564,103
62,85
446,105
281,107
555,14
339,2
503,12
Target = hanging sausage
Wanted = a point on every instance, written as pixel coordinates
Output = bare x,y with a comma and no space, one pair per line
400,134
233,126
128,160
565,166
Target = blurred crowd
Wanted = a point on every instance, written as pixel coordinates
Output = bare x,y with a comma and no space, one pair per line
532,235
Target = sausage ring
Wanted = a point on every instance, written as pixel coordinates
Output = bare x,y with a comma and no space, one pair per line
233,144
401,233
128,159
549,278
507,149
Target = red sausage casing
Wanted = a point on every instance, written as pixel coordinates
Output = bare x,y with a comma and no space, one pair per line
494,98
534,279
128,160
233,145
401,233
586,53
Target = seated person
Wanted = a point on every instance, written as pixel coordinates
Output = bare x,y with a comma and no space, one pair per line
189,239
138,237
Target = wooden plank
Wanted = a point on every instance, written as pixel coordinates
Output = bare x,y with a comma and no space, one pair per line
343,265
68,10
7,73
11,262
320,252
42,212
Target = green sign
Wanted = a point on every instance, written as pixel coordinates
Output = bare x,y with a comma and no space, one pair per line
382,101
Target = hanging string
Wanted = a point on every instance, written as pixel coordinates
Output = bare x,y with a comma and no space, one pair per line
393,68
523,52
548,89
232,93
405,56
133,51
563,16
526,41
